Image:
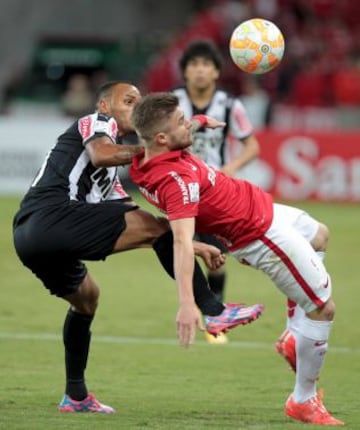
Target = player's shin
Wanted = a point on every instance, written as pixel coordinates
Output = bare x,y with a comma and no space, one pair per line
76,337
217,281
311,347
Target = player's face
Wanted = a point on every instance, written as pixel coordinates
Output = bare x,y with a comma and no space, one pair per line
200,74
179,134
121,104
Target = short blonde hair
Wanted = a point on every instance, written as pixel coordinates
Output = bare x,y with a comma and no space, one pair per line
152,113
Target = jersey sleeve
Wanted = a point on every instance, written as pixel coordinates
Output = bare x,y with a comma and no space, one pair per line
179,195
97,125
240,126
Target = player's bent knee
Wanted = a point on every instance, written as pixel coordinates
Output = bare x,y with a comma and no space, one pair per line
86,299
325,313
157,226
328,311
321,239
142,229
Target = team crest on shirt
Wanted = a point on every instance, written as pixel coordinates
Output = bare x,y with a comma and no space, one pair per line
194,191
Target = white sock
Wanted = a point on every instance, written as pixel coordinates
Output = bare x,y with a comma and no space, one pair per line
294,321
296,313
311,346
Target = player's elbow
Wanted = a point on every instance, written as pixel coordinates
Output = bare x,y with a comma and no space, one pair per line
98,151
253,146
256,148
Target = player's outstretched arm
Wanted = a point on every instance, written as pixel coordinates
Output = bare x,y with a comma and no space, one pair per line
200,121
103,152
188,317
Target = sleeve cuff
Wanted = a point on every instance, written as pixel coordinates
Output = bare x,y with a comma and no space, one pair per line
202,119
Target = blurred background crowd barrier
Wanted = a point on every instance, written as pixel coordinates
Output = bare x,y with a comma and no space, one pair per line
306,112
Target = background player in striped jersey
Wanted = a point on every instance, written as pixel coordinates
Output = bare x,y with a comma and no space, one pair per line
76,209
231,149
255,230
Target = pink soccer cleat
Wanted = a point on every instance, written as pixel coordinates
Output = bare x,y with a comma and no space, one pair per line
233,315
90,405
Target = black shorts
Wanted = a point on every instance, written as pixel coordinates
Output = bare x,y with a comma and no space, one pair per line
52,241
211,240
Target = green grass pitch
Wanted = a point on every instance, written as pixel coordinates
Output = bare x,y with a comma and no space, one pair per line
137,367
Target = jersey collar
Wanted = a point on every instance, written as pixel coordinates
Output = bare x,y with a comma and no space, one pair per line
168,156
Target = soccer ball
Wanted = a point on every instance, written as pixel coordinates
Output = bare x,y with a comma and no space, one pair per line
257,46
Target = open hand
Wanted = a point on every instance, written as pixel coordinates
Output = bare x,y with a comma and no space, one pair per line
188,319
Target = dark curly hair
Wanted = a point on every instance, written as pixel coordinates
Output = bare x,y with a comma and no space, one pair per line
201,48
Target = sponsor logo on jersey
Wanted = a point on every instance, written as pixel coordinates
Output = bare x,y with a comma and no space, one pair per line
97,123
150,196
194,192
84,126
182,186
113,129
104,182
101,127
106,125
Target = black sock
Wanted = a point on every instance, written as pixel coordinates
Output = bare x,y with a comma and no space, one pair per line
76,337
204,297
217,284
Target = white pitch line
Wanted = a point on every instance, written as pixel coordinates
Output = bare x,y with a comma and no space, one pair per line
157,341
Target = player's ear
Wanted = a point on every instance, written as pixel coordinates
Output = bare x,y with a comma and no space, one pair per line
102,106
161,138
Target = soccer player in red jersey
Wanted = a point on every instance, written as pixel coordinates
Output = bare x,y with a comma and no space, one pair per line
76,209
257,232
232,149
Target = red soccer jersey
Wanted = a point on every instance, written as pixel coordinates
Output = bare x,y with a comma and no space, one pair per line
183,186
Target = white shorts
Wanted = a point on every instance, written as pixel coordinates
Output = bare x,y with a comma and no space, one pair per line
284,253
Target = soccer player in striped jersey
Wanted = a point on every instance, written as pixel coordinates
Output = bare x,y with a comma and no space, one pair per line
231,149
76,209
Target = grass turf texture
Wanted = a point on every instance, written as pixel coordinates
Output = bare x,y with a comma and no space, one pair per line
135,364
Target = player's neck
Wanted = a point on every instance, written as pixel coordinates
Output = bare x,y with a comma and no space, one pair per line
201,98
153,151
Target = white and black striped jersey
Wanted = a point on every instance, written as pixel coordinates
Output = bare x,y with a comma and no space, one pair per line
218,146
67,172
